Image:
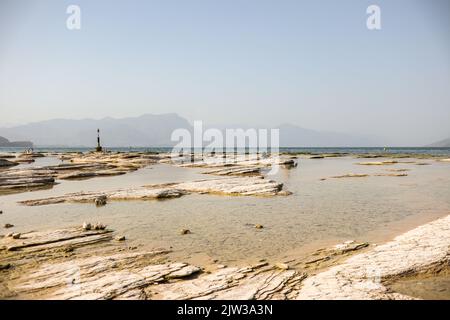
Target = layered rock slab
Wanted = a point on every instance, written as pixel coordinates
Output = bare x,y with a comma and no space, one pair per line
363,276
246,186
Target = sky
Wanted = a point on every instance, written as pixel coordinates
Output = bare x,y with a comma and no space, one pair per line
314,64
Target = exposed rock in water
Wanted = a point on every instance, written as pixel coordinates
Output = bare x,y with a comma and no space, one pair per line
282,266
234,171
233,164
328,256
351,175
26,179
79,175
82,166
364,175
16,235
23,160
87,226
6,163
126,275
5,266
246,186
391,174
7,156
99,226
364,276
100,201
107,271
398,170
369,156
230,160
117,276
378,163
37,241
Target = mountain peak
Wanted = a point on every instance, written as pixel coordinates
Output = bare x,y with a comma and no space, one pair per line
12,144
441,144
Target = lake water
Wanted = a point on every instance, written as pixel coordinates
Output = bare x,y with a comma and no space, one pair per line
362,150
317,214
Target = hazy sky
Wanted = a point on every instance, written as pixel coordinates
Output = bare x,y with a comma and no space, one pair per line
310,63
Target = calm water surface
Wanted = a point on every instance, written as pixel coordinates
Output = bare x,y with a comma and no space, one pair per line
319,213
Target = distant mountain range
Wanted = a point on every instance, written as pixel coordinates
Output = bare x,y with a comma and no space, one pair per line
155,131
12,144
441,144
294,136
146,130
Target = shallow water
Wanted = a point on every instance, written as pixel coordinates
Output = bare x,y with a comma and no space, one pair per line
319,213
429,287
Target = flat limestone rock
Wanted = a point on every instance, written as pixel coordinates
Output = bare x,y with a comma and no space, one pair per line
232,164
142,275
246,186
76,166
363,276
390,174
90,174
37,240
31,155
364,175
6,163
131,160
328,256
107,277
121,274
378,163
44,265
7,156
140,193
26,179
230,284
234,171
81,166
351,175
249,186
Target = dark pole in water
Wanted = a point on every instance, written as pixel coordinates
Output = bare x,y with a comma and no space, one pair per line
99,147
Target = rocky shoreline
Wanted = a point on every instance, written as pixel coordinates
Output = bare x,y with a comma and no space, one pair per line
367,275
93,262
81,263
80,166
